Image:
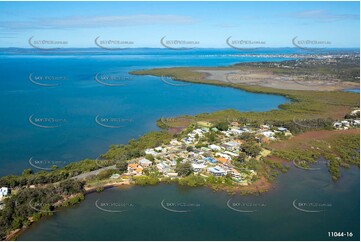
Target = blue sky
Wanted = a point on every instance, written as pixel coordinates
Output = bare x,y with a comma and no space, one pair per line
209,23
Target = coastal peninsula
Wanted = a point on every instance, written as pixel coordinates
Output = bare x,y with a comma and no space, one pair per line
240,152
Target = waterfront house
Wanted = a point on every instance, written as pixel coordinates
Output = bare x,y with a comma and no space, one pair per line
217,171
163,167
235,174
135,169
172,174
198,167
139,170
4,191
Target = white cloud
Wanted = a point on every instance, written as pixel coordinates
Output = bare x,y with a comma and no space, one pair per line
322,15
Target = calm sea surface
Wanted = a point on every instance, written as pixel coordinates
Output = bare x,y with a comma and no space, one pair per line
149,213
73,99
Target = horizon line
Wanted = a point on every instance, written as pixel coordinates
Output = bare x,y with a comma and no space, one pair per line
197,48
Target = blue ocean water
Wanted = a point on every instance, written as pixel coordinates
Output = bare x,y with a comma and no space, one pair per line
72,99
77,99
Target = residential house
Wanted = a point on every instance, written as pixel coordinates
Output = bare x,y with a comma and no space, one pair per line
236,131
265,127
345,123
163,167
198,167
231,153
231,145
145,162
160,149
337,125
221,160
172,174
215,147
135,169
210,160
217,171
4,191
150,152
282,129
223,155
268,134
235,174
175,142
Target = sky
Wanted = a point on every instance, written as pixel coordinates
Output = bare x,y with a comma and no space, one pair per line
205,24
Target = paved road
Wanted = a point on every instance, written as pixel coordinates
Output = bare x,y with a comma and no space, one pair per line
91,173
